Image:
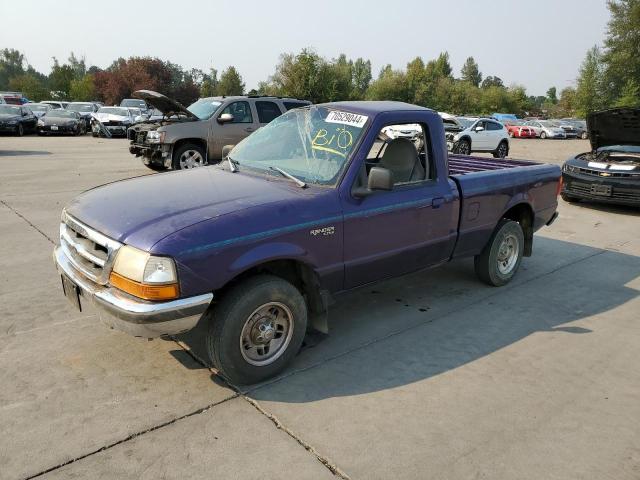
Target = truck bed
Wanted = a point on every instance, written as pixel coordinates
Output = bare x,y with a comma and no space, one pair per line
463,165
489,187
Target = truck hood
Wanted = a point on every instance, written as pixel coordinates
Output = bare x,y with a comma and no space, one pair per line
142,211
166,105
617,126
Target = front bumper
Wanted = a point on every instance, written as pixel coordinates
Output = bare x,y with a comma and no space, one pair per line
624,191
158,153
133,315
6,128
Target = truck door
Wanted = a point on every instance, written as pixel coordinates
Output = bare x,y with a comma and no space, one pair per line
244,122
411,227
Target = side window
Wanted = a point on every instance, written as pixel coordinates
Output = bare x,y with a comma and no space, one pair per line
404,150
481,124
241,112
290,105
267,111
494,126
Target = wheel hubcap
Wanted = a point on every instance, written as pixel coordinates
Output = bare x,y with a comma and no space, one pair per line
508,254
191,159
266,334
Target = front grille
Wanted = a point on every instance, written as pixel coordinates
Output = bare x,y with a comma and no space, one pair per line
88,250
113,123
608,174
616,192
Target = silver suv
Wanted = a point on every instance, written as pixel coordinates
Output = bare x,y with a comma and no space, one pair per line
195,136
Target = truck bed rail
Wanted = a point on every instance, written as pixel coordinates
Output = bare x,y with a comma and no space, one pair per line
462,164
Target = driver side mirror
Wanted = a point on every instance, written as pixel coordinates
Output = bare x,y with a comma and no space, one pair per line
479,129
225,118
379,179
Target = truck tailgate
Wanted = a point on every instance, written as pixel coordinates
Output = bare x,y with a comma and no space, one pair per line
489,187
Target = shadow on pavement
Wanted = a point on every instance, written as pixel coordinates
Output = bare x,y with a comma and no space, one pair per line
19,153
377,342
608,208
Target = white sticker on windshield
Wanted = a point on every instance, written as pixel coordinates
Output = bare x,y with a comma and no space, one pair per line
346,118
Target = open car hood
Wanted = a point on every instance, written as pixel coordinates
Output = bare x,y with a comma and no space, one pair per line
166,105
617,126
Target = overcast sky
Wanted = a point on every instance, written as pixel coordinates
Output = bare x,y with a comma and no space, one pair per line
537,44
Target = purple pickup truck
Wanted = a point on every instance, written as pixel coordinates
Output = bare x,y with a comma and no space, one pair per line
317,202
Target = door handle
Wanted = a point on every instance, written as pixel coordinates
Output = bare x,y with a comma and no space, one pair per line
436,202
248,129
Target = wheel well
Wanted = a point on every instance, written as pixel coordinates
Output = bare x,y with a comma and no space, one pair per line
523,214
299,274
196,141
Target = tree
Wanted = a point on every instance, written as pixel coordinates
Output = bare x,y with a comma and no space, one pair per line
588,96
230,82
629,95
209,85
390,85
471,73
60,79
12,64
552,95
83,89
567,102
492,81
621,57
30,85
299,76
361,74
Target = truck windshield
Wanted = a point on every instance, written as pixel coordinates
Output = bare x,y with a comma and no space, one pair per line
313,144
204,108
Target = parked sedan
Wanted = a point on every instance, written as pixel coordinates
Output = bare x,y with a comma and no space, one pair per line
61,122
38,109
580,126
56,104
546,129
518,129
114,120
569,130
610,172
86,111
16,119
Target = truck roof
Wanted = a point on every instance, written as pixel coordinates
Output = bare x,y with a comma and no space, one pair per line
370,107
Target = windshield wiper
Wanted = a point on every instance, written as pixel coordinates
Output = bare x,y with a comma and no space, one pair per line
233,164
299,182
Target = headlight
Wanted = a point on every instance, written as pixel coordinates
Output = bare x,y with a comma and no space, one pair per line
154,136
569,168
40,123
144,275
12,122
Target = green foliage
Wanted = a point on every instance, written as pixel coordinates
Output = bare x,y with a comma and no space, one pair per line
552,95
492,81
209,84
471,73
30,85
629,95
12,64
83,89
230,82
589,92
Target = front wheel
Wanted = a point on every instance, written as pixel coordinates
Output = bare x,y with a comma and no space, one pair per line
464,147
501,257
584,135
543,135
502,150
189,156
256,330
20,130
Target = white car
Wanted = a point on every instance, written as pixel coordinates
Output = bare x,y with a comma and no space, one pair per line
546,129
482,135
114,119
409,131
39,109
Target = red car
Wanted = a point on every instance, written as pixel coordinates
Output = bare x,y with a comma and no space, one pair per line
517,128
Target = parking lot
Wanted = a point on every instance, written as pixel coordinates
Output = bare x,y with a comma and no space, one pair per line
433,375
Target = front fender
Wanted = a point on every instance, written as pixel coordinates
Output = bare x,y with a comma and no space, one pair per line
266,253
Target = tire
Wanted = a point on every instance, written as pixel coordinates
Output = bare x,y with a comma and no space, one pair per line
502,151
584,135
94,134
569,198
233,343
464,147
543,135
188,156
20,130
504,249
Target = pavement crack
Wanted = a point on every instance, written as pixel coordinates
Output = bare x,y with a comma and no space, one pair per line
133,436
331,466
28,221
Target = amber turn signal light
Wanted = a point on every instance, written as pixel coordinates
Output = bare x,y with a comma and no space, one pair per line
146,292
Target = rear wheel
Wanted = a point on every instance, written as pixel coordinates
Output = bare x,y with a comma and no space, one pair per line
543,135
584,136
502,150
189,156
256,330
501,257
